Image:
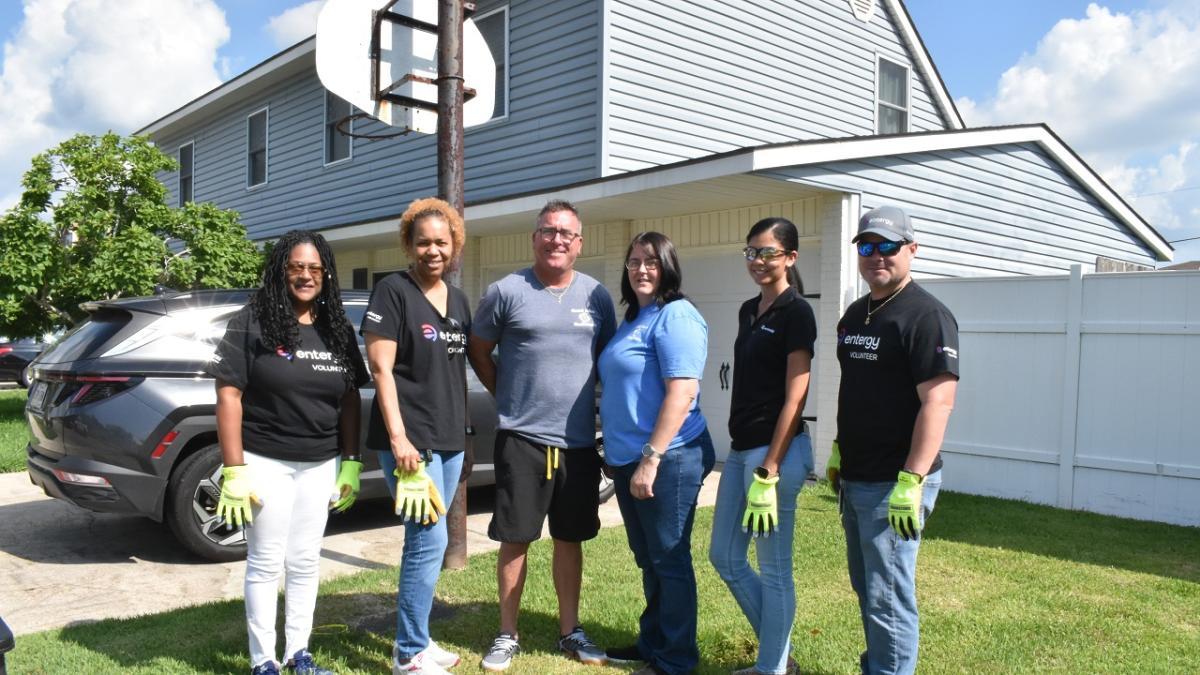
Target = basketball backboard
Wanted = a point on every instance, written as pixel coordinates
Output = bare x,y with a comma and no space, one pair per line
406,63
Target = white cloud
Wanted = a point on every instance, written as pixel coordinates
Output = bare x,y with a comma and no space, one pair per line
1123,90
295,24
92,65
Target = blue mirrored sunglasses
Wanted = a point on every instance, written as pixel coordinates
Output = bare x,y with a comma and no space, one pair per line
886,249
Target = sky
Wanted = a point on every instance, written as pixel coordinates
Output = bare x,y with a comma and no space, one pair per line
1118,80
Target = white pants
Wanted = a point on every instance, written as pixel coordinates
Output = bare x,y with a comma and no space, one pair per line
286,534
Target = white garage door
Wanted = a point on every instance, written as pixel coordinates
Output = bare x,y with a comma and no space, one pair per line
717,282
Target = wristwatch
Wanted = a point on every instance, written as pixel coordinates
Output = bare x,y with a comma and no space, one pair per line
649,451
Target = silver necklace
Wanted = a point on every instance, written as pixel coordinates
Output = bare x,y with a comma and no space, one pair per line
871,312
558,293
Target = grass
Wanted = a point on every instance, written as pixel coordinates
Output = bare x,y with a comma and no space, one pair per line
1005,587
13,433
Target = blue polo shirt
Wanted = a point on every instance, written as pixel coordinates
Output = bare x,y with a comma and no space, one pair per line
661,342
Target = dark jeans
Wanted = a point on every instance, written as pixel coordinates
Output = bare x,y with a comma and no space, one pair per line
660,535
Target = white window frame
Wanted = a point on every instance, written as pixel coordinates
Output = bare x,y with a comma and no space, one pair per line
907,110
179,174
266,110
507,61
325,133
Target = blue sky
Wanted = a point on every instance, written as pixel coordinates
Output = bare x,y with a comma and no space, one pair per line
1118,80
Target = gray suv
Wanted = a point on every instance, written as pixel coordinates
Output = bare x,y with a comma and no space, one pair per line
122,416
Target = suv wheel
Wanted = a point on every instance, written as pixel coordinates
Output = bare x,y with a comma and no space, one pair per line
607,489
193,493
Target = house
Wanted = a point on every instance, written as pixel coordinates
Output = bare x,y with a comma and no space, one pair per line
692,118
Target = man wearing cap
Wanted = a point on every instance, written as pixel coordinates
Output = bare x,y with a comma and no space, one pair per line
898,351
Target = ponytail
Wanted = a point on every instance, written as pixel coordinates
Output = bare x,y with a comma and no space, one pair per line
794,280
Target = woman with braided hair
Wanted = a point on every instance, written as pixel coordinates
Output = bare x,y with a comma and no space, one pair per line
288,372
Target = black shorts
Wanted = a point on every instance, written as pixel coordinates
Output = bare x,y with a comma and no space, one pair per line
530,487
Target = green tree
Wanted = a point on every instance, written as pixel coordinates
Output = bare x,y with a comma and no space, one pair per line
93,223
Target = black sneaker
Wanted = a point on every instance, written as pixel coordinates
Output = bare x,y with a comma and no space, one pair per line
627,654
579,646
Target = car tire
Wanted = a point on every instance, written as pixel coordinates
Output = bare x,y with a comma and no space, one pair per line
23,378
192,496
607,488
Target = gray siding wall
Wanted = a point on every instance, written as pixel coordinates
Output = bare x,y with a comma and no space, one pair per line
987,210
549,138
691,78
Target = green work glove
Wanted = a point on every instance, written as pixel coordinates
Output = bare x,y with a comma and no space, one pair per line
347,485
762,512
833,468
234,505
904,505
417,499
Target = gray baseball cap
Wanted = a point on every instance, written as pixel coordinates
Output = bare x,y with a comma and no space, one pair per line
888,222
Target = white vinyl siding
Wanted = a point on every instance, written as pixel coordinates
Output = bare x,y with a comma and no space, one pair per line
256,148
187,157
891,98
338,146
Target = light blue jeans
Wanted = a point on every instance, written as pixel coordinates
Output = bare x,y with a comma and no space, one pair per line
421,560
883,572
767,597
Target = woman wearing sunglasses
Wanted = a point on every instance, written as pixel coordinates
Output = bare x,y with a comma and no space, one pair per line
657,446
288,372
771,452
416,329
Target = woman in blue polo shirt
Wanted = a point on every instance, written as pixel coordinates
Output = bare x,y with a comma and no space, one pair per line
657,444
771,454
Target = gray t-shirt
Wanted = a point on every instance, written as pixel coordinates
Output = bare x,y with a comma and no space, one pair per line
546,375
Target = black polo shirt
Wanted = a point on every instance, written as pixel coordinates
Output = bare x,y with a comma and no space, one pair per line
430,368
911,340
290,401
760,356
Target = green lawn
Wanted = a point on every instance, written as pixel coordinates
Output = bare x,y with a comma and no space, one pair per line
13,433
1004,587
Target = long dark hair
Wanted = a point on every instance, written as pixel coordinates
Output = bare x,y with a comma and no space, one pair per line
670,276
272,305
786,234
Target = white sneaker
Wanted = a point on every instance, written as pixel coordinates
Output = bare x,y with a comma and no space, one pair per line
421,664
440,656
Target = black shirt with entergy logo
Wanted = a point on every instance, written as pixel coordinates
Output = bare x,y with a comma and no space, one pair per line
760,356
290,401
911,340
430,367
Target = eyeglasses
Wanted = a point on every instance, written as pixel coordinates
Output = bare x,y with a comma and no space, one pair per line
766,253
549,233
886,249
633,264
296,268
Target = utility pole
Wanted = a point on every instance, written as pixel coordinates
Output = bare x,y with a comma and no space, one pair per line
451,188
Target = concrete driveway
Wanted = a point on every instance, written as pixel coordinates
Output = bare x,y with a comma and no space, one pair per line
62,565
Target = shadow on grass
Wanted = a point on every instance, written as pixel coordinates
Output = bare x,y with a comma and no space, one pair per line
1078,536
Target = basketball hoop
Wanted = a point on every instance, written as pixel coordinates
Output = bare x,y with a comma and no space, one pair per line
343,127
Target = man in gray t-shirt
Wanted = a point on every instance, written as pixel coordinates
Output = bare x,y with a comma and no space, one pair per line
550,323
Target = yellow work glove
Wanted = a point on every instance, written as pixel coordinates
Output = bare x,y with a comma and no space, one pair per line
236,496
904,505
417,498
347,485
762,511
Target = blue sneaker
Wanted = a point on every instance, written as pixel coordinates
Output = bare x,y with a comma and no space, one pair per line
301,663
268,668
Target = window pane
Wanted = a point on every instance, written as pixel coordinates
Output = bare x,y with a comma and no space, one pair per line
256,149
892,120
337,144
492,27
185,173
893,83
185,189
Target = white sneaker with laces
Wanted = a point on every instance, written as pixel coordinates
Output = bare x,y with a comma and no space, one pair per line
578,645
500,655
421,664
440,656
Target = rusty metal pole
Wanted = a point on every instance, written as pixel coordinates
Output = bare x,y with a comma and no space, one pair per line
450,186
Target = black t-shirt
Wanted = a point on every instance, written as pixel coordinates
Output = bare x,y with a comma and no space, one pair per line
430,369
911,340
760,356
290,402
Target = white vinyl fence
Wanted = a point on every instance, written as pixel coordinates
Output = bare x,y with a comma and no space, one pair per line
1079,391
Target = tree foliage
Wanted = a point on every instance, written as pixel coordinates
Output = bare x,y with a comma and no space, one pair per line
93,223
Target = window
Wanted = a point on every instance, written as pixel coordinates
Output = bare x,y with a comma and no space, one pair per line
892,102
338,145
256,148
185,173
494,27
